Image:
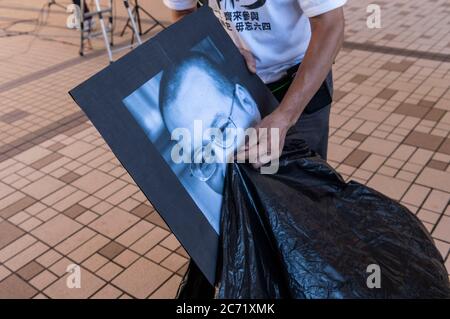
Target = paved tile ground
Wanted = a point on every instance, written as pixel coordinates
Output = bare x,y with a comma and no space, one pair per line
65,199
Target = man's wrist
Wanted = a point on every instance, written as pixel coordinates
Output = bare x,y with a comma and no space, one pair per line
288,115
290,112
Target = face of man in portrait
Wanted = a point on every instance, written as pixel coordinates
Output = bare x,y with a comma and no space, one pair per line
198,90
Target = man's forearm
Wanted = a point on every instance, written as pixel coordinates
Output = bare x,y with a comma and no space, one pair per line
326,40
178,14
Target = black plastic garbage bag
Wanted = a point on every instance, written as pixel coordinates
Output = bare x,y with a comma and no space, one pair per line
306,233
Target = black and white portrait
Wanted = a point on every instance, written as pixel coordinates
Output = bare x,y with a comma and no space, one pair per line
196,89
183,76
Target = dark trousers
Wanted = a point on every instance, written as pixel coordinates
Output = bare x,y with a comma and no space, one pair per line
78,3
313,125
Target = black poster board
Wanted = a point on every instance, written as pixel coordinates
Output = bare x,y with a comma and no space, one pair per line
123,101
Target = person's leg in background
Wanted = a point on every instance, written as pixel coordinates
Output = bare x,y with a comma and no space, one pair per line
78,3
88,22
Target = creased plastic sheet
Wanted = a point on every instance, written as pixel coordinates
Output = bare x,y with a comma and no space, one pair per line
306,233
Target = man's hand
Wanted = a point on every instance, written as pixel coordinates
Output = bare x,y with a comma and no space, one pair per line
267,146
327,32
249,59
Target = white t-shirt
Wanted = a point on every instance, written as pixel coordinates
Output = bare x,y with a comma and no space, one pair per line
277,32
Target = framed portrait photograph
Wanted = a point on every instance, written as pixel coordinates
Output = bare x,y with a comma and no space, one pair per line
188,78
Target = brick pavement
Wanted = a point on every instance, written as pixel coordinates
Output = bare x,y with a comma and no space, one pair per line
65,199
